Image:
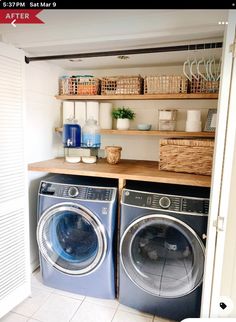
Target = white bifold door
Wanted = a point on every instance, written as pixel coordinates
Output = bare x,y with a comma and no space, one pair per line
14,232
219,287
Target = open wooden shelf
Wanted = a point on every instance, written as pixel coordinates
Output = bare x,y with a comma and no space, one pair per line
171,134
140,97
125,170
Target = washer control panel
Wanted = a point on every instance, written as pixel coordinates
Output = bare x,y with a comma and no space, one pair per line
76,191
180,204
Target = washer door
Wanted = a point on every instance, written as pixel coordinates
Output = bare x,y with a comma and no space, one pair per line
162,255
71,238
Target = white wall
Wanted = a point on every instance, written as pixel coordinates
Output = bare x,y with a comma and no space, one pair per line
147,112
43,114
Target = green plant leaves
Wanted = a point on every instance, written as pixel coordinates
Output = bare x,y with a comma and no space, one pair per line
123,113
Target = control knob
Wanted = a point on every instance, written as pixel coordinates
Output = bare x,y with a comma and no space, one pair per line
164,202
73,192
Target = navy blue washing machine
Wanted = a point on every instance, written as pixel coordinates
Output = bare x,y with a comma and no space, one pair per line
76,234
162,248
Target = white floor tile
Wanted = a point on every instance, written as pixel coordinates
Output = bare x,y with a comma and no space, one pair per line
57,308
131,310
122,316
13,317
107,303
33,303
91,312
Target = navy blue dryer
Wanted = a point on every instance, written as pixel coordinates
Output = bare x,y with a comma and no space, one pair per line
76,234
162,243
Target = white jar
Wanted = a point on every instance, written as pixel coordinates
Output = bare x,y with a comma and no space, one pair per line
91,137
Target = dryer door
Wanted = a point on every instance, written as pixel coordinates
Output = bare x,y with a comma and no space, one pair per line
162,255
71,238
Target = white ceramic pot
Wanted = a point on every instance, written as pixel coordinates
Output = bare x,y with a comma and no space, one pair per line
123,124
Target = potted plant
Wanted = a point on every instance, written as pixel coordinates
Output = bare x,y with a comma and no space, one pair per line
123,115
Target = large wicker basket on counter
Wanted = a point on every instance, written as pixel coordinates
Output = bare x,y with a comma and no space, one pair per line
186,155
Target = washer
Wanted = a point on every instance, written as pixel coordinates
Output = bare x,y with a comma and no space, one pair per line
76,234
162,249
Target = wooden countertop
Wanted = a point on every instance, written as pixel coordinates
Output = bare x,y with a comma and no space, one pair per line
126,169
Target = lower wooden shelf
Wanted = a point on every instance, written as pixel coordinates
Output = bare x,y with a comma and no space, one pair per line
171,134
125,170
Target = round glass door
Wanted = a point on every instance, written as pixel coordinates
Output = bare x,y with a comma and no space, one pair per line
163,256
71,239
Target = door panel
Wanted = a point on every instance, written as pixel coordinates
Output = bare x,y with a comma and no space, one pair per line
14,230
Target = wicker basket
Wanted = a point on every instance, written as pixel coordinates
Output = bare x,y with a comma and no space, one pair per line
122,85
79,85
186,155
200,85
165,84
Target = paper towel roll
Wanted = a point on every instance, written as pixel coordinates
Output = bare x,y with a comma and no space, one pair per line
93,111
194,115
193,126
80,113
105,117
68,111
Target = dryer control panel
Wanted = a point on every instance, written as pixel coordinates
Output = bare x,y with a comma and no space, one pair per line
173,203
76,191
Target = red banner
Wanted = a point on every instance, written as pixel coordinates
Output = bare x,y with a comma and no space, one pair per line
20,16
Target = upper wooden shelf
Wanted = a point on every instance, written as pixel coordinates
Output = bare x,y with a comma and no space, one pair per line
140,97
125,170
170,134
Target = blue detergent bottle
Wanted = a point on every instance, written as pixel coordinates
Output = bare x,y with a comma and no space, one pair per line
71,134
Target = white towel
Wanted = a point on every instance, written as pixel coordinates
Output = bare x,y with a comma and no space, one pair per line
105,117
93,111
68,111
80,113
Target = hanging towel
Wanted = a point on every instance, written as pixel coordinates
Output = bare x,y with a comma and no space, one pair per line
80,113
93,111
68,111
105,117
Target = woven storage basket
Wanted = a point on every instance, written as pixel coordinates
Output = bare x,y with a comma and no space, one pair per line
200,85
79,85
165,84
186,155
122,85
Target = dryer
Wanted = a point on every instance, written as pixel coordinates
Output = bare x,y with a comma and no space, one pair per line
162,246
76,234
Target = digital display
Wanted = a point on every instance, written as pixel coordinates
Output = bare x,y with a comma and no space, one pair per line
193,205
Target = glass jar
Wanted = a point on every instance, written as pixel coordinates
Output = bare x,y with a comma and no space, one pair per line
71,134
91,137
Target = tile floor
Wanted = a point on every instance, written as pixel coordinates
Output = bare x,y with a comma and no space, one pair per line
52,305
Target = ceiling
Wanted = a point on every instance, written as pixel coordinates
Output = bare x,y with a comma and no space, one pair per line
81,31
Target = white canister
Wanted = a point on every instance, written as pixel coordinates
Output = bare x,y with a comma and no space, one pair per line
194,115
193,126
105,116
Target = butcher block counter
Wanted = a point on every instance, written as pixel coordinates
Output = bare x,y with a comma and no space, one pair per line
124,170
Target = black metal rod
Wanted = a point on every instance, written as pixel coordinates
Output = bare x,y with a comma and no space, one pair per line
127,52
